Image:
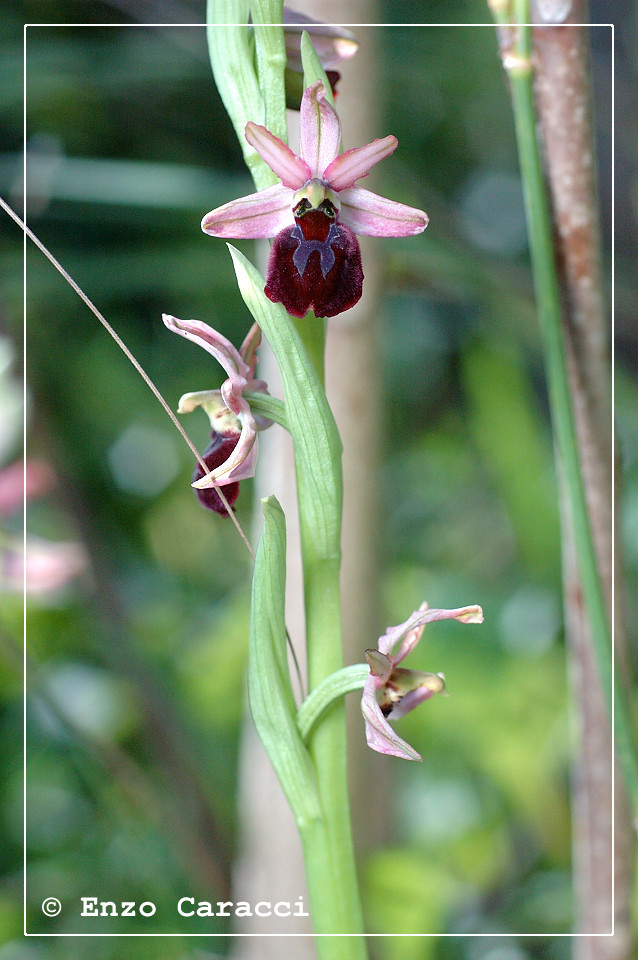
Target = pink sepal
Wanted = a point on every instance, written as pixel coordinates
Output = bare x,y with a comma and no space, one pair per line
353,164
291,169
379,734
262,214
240,367
319,130
370,215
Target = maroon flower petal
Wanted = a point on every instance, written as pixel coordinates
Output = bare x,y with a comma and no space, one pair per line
315,265
333,77
217,452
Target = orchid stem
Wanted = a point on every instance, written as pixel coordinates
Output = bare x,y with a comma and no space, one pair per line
327,842
329,853
312,331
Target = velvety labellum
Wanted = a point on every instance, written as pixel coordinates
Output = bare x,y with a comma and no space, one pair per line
315,265
217,452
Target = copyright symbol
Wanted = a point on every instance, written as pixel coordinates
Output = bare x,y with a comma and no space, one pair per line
51,907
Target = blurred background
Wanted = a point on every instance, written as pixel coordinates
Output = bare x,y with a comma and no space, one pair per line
138,608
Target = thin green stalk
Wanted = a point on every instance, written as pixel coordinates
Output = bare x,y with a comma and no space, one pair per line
272,707
324,642
312,331
550,318
321,558
330,865
324,649
328,846
328,745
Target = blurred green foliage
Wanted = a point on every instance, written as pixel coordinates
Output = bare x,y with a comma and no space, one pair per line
136,667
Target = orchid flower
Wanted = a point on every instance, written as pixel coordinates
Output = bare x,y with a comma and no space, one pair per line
314,213
232,452
392,691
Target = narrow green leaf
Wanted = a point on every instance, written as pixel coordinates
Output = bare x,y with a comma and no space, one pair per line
310,420
312,68
269,690
232,60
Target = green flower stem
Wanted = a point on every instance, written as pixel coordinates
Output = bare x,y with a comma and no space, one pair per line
272,708
318,477
550,319
312,332
324,644
299,347
328,851
328,747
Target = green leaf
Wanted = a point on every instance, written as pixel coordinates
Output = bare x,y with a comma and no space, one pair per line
270,692
231,57
310,420
312,68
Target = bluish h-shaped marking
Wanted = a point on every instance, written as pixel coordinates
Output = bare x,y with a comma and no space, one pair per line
306,247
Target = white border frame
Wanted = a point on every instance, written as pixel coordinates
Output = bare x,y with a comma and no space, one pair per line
509,935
